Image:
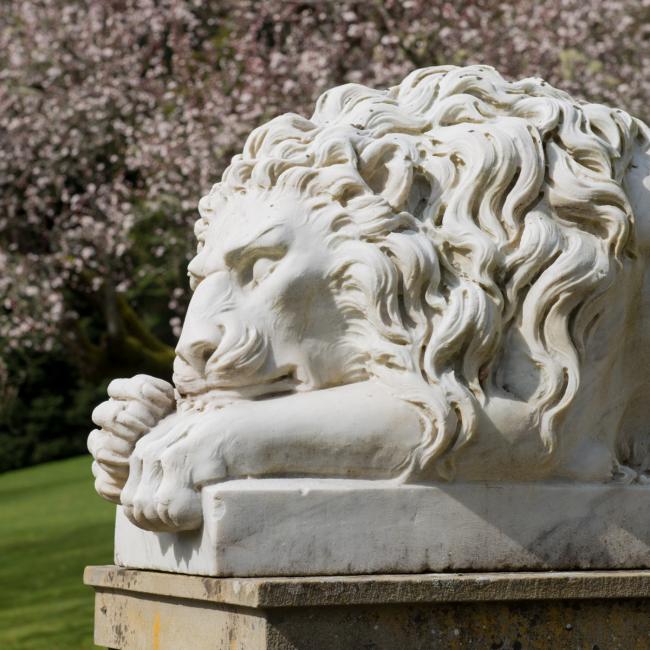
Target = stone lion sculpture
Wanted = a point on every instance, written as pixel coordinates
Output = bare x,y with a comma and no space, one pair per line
445,280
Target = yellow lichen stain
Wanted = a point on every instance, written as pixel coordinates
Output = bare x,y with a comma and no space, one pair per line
156,632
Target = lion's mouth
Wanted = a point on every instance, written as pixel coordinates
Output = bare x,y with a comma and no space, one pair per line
209,396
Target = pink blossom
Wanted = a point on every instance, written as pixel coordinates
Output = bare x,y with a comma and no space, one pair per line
119,116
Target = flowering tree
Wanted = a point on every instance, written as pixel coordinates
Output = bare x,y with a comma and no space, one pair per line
116,115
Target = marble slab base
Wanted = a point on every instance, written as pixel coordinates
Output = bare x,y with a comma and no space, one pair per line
306,527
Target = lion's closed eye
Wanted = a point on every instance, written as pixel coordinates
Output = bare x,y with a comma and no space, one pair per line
257,267
262,268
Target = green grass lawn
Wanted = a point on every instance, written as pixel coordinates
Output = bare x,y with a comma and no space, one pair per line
52,524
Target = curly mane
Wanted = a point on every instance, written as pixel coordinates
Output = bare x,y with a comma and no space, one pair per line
479,222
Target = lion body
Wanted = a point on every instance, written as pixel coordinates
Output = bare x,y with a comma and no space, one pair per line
489,245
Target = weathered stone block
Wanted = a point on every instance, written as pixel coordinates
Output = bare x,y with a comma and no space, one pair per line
595,610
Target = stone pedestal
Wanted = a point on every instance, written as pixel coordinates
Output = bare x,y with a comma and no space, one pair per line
602,610
301,527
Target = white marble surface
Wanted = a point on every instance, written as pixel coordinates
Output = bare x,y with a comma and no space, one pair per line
446,284
304,527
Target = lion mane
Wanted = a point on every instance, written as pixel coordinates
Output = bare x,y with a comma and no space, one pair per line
476,221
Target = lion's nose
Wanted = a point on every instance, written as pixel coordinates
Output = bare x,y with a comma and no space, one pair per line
202,330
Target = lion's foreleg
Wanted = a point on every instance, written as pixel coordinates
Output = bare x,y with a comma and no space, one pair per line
358,430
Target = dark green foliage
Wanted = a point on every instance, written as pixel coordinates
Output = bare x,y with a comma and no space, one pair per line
45,408
47,415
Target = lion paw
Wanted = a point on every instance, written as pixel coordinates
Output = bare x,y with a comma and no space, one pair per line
135,406
161,493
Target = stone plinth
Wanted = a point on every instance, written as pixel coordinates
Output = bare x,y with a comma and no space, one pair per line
272,527
595,609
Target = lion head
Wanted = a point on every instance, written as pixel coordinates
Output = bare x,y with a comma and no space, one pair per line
457,236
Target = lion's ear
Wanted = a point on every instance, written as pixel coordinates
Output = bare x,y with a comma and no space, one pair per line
387,169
